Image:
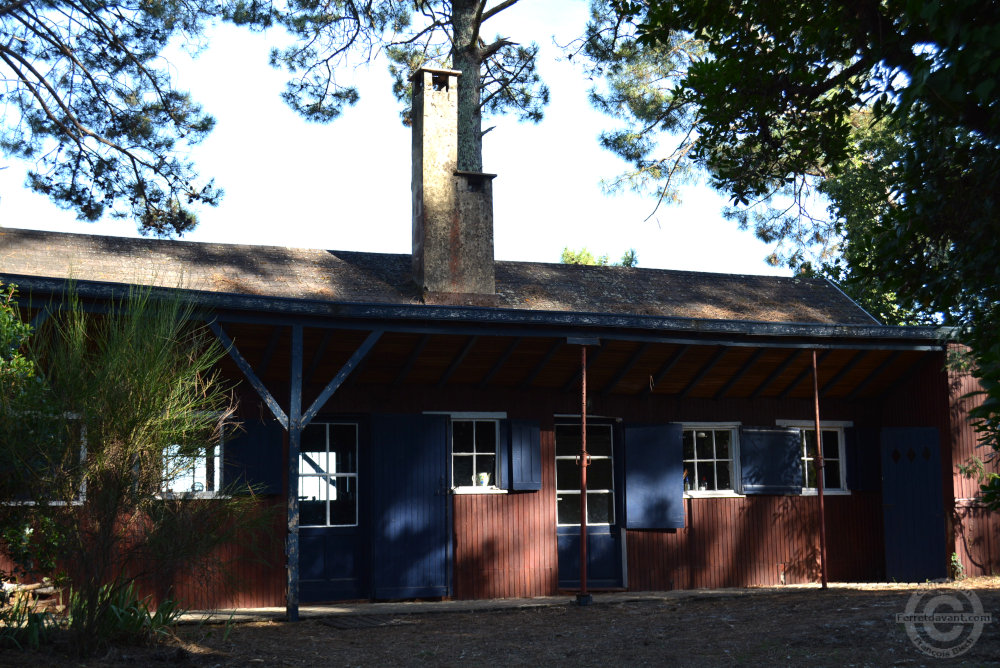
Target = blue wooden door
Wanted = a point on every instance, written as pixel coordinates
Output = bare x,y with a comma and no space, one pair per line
604,507
913,509
411,542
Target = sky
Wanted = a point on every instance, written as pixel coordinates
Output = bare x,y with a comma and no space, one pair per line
346,185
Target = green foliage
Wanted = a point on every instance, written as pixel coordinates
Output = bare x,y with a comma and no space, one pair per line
90,449
15,369
22,627
123,617
634,84
89,103
957,567
889,110
498,77
584,256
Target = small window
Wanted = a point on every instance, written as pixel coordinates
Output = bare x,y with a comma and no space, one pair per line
474,452
834,460
187,472
709,453
328,475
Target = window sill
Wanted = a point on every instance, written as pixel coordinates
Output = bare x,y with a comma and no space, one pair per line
826,492
477,490
714,494
184,496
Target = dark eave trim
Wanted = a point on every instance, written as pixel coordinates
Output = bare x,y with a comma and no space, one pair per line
471,320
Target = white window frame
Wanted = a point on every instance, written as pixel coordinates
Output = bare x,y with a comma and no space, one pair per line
734,462
465,416
334,474
825,425
201,464
591,457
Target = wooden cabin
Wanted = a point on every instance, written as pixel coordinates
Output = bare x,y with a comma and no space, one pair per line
419,416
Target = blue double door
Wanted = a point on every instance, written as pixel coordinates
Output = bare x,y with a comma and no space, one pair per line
399,547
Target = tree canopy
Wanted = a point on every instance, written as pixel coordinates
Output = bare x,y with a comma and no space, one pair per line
88,100
887,108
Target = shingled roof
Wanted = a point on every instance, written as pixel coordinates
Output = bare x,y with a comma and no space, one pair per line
384,278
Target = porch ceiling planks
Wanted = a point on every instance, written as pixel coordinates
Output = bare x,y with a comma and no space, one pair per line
620,367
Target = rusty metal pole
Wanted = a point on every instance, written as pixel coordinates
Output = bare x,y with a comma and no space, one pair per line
583,598
819,476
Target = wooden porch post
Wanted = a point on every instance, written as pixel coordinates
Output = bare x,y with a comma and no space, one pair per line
294,437
819,475
583,598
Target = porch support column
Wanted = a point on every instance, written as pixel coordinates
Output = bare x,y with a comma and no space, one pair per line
294,437
584,597
819,475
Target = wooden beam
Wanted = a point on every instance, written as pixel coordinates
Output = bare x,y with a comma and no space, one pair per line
846,369
628,366
248,373
342,375
665,369
794,355
500,362
704,371
541,365
294,441
873,375
739,374
590,360
455,363
318,355
802,376
412,359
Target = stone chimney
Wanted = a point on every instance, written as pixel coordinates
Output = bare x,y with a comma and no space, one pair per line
452,210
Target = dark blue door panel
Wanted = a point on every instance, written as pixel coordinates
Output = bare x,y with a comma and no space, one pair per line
913,509
332,566
604,557
411,543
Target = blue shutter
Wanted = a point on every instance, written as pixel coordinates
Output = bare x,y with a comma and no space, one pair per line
864,465
411,547
654,477
254,458
525,455
771,460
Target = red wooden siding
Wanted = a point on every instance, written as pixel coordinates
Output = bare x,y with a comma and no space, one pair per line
751,541
505,544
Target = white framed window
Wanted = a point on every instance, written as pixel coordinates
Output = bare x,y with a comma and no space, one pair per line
834,459
328,475
711,458
195,474
475,451
600,474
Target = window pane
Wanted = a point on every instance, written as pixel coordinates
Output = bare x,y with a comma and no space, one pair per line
312,513
810,471
343,510
567,440
312,450
600,508
722,475
568,508
599,440
810,442
703,444
688,445
486,436
831,445
831,473
722,441
462,436
312,500
486,464
567,474
343,448
706,476
463,472
599,474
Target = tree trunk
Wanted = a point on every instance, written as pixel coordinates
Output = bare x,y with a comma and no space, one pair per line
466,57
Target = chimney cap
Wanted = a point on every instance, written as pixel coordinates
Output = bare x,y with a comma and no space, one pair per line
434,70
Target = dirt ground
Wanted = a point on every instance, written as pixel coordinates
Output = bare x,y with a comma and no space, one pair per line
799,627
